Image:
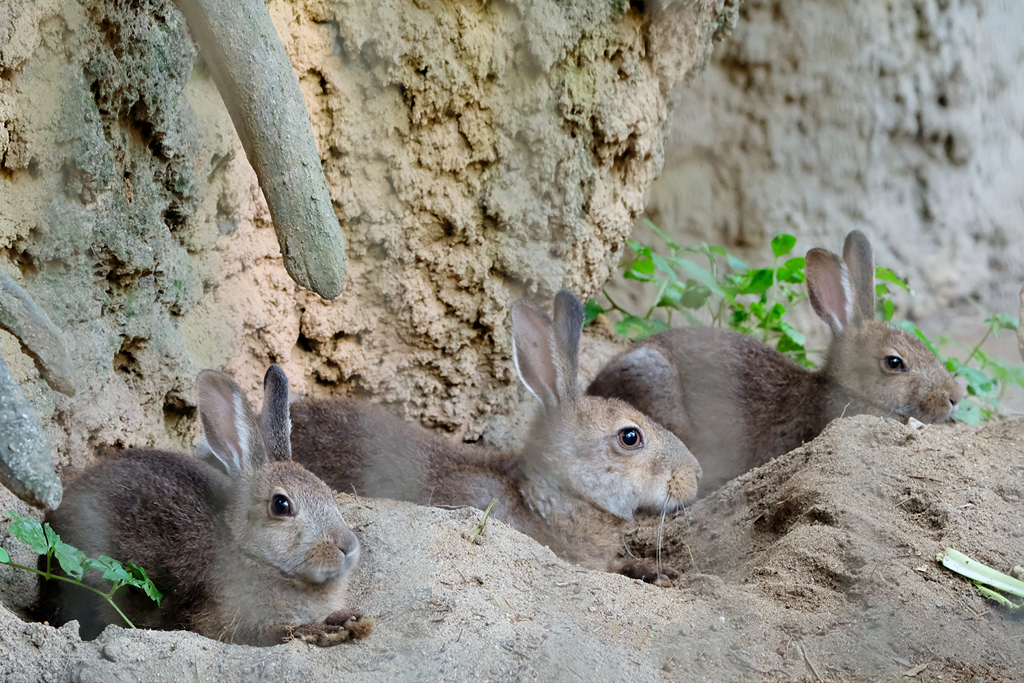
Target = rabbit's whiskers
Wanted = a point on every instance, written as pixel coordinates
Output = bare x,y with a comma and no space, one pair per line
661,533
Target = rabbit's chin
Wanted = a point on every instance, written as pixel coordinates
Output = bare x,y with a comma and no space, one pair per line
657,510
923,416
316,575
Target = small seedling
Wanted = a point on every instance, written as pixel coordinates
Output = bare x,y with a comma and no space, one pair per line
475,531
756,301
980,574
45,541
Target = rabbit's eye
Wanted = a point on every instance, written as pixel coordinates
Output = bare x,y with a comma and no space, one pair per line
631,437
280,506
894,363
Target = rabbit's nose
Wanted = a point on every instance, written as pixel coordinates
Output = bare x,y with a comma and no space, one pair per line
347,543
956,394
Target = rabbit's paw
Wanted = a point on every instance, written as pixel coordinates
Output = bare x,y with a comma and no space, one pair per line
337,628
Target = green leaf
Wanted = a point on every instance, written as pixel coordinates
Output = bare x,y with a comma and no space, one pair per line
738,317
642,270
640,249
591,310
694,295
736,263
141,580
976,379
660,233
29,531
792,271
701,275
976,571
4,557
635,327
791,332
645,266
794,351
661,264
997,597
736,283
112,569
671,296
782,244
760,281
970,412
1002,321
71,559
757,309
887,309
887,275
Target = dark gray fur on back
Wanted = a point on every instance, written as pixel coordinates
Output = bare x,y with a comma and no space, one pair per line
177,500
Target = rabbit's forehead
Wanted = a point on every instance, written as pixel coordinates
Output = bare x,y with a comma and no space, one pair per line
609,415
880,339
301,485
901,342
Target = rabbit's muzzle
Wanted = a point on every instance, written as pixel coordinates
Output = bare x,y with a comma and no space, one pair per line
331,556
941,403
682,484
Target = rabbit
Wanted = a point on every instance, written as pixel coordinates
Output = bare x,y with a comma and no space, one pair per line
256,553
589,465
737,403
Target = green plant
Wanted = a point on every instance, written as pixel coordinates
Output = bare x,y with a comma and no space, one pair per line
734,295
45,541
756,300
980,574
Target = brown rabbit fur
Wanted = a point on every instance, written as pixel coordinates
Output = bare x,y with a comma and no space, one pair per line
258,556
589,464
737,403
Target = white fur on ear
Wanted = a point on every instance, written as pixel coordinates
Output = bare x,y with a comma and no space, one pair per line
240,450
548,398
203,449
848,295
533,352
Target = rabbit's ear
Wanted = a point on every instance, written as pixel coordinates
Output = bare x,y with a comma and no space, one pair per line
532,352
229,425
275,420
546,355
861,265
828,287
569,318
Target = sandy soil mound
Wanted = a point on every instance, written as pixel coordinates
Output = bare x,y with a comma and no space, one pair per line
818,566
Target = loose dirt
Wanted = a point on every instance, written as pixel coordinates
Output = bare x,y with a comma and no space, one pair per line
818,566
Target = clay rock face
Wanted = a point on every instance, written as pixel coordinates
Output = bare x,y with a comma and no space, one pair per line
904,120
475,154
97,174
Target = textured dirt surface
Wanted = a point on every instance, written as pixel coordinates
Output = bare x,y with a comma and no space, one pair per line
818,566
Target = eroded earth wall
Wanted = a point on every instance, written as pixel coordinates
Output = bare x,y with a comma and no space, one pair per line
902,119
476,152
